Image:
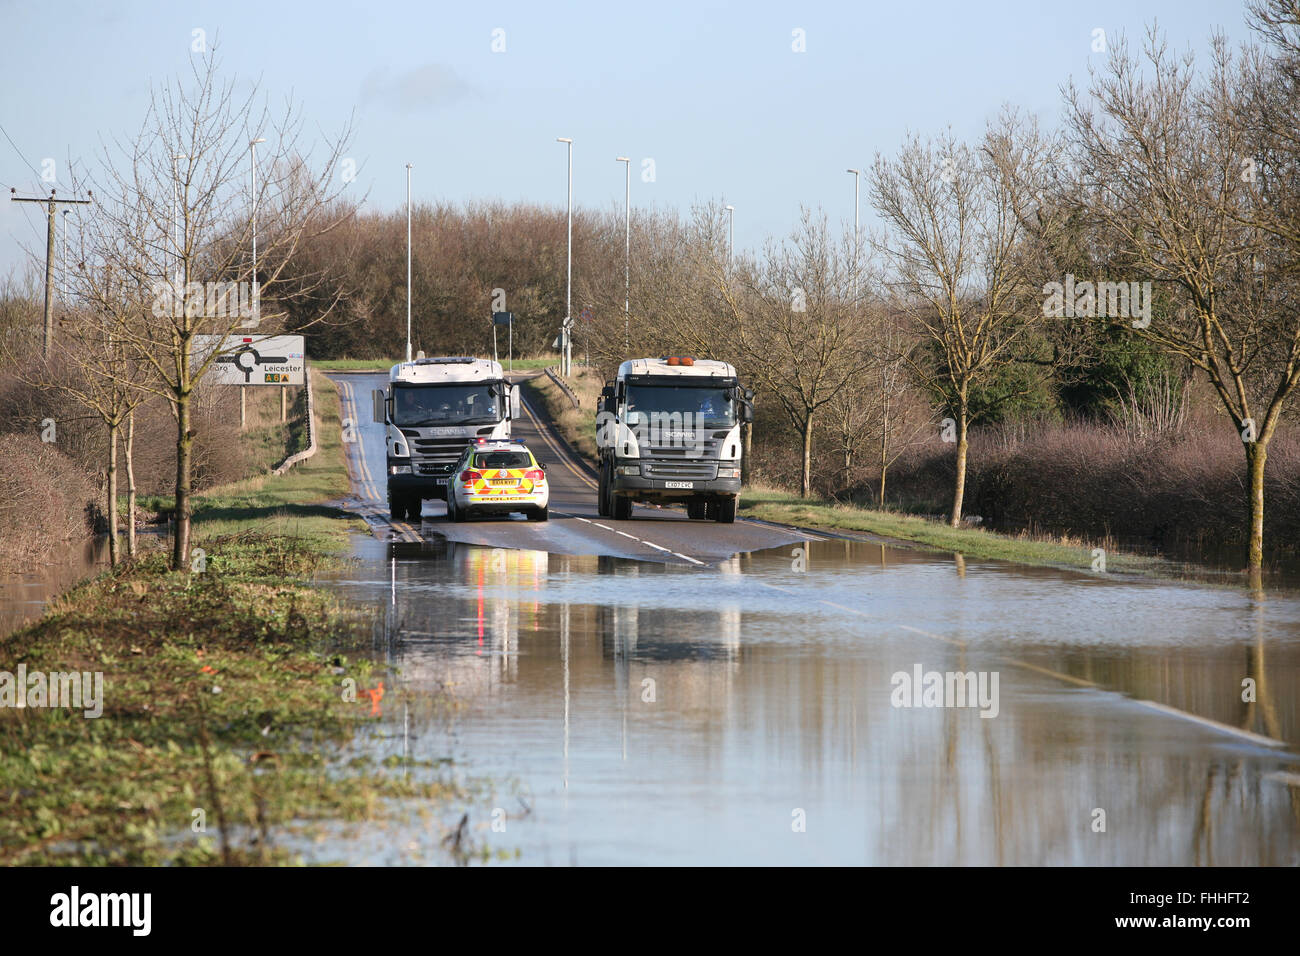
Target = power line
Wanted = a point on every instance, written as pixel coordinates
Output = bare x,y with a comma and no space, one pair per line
35,172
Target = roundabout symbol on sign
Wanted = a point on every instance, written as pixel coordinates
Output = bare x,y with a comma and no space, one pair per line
247,359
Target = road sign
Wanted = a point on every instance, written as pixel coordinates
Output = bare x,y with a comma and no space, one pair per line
503,318
586,315
252,359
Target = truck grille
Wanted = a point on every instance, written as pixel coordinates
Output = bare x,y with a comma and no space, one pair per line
705,448
435,456
691,470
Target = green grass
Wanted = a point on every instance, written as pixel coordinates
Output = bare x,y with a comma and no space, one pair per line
787,508
223,691
296,503
353,365
577,426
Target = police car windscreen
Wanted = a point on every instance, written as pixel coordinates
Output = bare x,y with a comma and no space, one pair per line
501,459
698,407
469,404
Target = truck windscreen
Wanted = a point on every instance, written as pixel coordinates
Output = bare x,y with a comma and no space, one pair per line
699,407
476,403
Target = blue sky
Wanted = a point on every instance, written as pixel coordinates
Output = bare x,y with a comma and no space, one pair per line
713,93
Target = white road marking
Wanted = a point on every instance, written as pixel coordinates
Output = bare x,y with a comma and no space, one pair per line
649,544
1207,722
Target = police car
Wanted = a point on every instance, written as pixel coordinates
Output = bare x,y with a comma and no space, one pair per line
497,477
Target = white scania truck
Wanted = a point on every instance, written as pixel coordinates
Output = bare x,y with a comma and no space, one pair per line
668,430
432,408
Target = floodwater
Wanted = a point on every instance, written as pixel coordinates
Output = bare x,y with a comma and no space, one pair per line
751,712
24,595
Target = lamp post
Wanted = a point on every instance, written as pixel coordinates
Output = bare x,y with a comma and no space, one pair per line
63,260
566,360
408,262
731,231
627,255
257,306
857,180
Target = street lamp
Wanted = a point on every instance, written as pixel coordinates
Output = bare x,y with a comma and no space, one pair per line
566,360
257,308
408,262
857,180
63,258
627,256
731,231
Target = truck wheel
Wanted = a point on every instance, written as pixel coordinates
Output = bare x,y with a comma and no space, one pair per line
396,506
602,493
724,512
696,509
414,505
621,508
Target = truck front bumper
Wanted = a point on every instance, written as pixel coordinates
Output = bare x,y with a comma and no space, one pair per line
660,489
426,486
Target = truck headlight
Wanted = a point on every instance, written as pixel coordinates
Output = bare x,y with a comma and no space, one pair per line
628,470
399,469
728,472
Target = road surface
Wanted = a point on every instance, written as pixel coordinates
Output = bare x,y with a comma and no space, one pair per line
657,534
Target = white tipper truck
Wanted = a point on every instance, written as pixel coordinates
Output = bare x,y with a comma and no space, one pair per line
668,430
434,407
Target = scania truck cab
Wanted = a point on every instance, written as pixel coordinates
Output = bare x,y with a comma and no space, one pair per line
668,431
432,408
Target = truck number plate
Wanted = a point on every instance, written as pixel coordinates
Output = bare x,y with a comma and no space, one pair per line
440,481
679,484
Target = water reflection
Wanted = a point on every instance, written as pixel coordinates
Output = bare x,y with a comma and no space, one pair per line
658,714
24,595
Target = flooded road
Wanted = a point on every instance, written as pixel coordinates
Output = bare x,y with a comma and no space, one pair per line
753,710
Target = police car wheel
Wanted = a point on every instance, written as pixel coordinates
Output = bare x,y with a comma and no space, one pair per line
539,514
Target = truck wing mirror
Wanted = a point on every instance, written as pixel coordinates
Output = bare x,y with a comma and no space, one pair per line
514,401
377,398
746,412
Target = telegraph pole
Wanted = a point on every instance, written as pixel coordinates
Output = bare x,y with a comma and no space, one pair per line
52,205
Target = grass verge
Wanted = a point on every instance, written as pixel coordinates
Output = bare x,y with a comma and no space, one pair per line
768,504
577,426
222,693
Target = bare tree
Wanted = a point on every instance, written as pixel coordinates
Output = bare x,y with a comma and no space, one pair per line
794,324
175,217
961,229
1176,185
